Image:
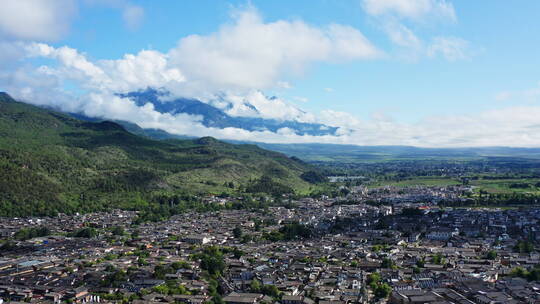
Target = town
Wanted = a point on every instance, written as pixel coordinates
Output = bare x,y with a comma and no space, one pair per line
367,246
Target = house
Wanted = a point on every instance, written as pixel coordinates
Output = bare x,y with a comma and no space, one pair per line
196,239
243,298
442,234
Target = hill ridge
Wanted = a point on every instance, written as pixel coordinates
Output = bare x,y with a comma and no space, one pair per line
54,163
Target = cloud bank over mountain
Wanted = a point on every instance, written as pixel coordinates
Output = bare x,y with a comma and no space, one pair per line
229,70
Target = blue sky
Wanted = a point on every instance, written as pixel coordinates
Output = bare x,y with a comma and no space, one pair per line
415,72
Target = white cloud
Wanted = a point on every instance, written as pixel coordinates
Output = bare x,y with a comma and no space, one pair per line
260,53
510,126
528,95
249,53
133,16
256,104
397,18
232,64
451,48
402,36
132,72
44,20
411,9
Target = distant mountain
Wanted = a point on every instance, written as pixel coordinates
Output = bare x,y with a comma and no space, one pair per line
217,118
341,153
50,162
315,152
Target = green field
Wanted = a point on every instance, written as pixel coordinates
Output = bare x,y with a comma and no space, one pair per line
417,182
504,185
491,186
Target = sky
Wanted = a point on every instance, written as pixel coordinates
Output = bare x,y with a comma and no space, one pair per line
430,73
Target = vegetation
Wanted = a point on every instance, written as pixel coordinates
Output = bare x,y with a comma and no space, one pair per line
87,232
532,275
491,255
289,232
438,259
524,247
269,290
51,163
379,288
313,177
212,260
30,233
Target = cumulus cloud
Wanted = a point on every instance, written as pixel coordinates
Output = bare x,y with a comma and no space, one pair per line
527,95
249,53
44,20
401,35
412,9
133,16
132,72
257,104
227,68
451,48
397,18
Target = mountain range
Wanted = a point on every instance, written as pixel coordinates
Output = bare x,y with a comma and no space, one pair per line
51,162
214,117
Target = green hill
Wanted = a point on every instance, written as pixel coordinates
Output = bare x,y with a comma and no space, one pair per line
50,162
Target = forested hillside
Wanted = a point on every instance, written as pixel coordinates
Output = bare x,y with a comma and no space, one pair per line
50,163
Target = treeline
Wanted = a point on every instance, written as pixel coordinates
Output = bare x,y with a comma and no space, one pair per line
266,184
496,199
530,275
30,233
289,232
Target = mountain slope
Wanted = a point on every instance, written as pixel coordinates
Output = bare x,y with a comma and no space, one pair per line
213,117
51,162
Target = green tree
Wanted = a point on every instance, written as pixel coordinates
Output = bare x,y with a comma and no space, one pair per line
387,263
373,278
237,232
491,255
118,230
212,260
255,286
524,247
382,291
438,259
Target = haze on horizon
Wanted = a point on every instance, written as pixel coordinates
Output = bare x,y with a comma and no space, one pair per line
430,73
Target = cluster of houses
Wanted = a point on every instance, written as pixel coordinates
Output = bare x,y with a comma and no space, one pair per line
436,256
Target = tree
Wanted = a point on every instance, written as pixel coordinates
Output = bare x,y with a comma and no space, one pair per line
387,263
180,265
30,233
237,232
438,259
382,290
271,290
118,230
491,255
212,260
255,286
373,279
313,177
524,247
86,233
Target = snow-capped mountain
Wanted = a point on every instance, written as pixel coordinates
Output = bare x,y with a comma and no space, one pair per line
217,113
